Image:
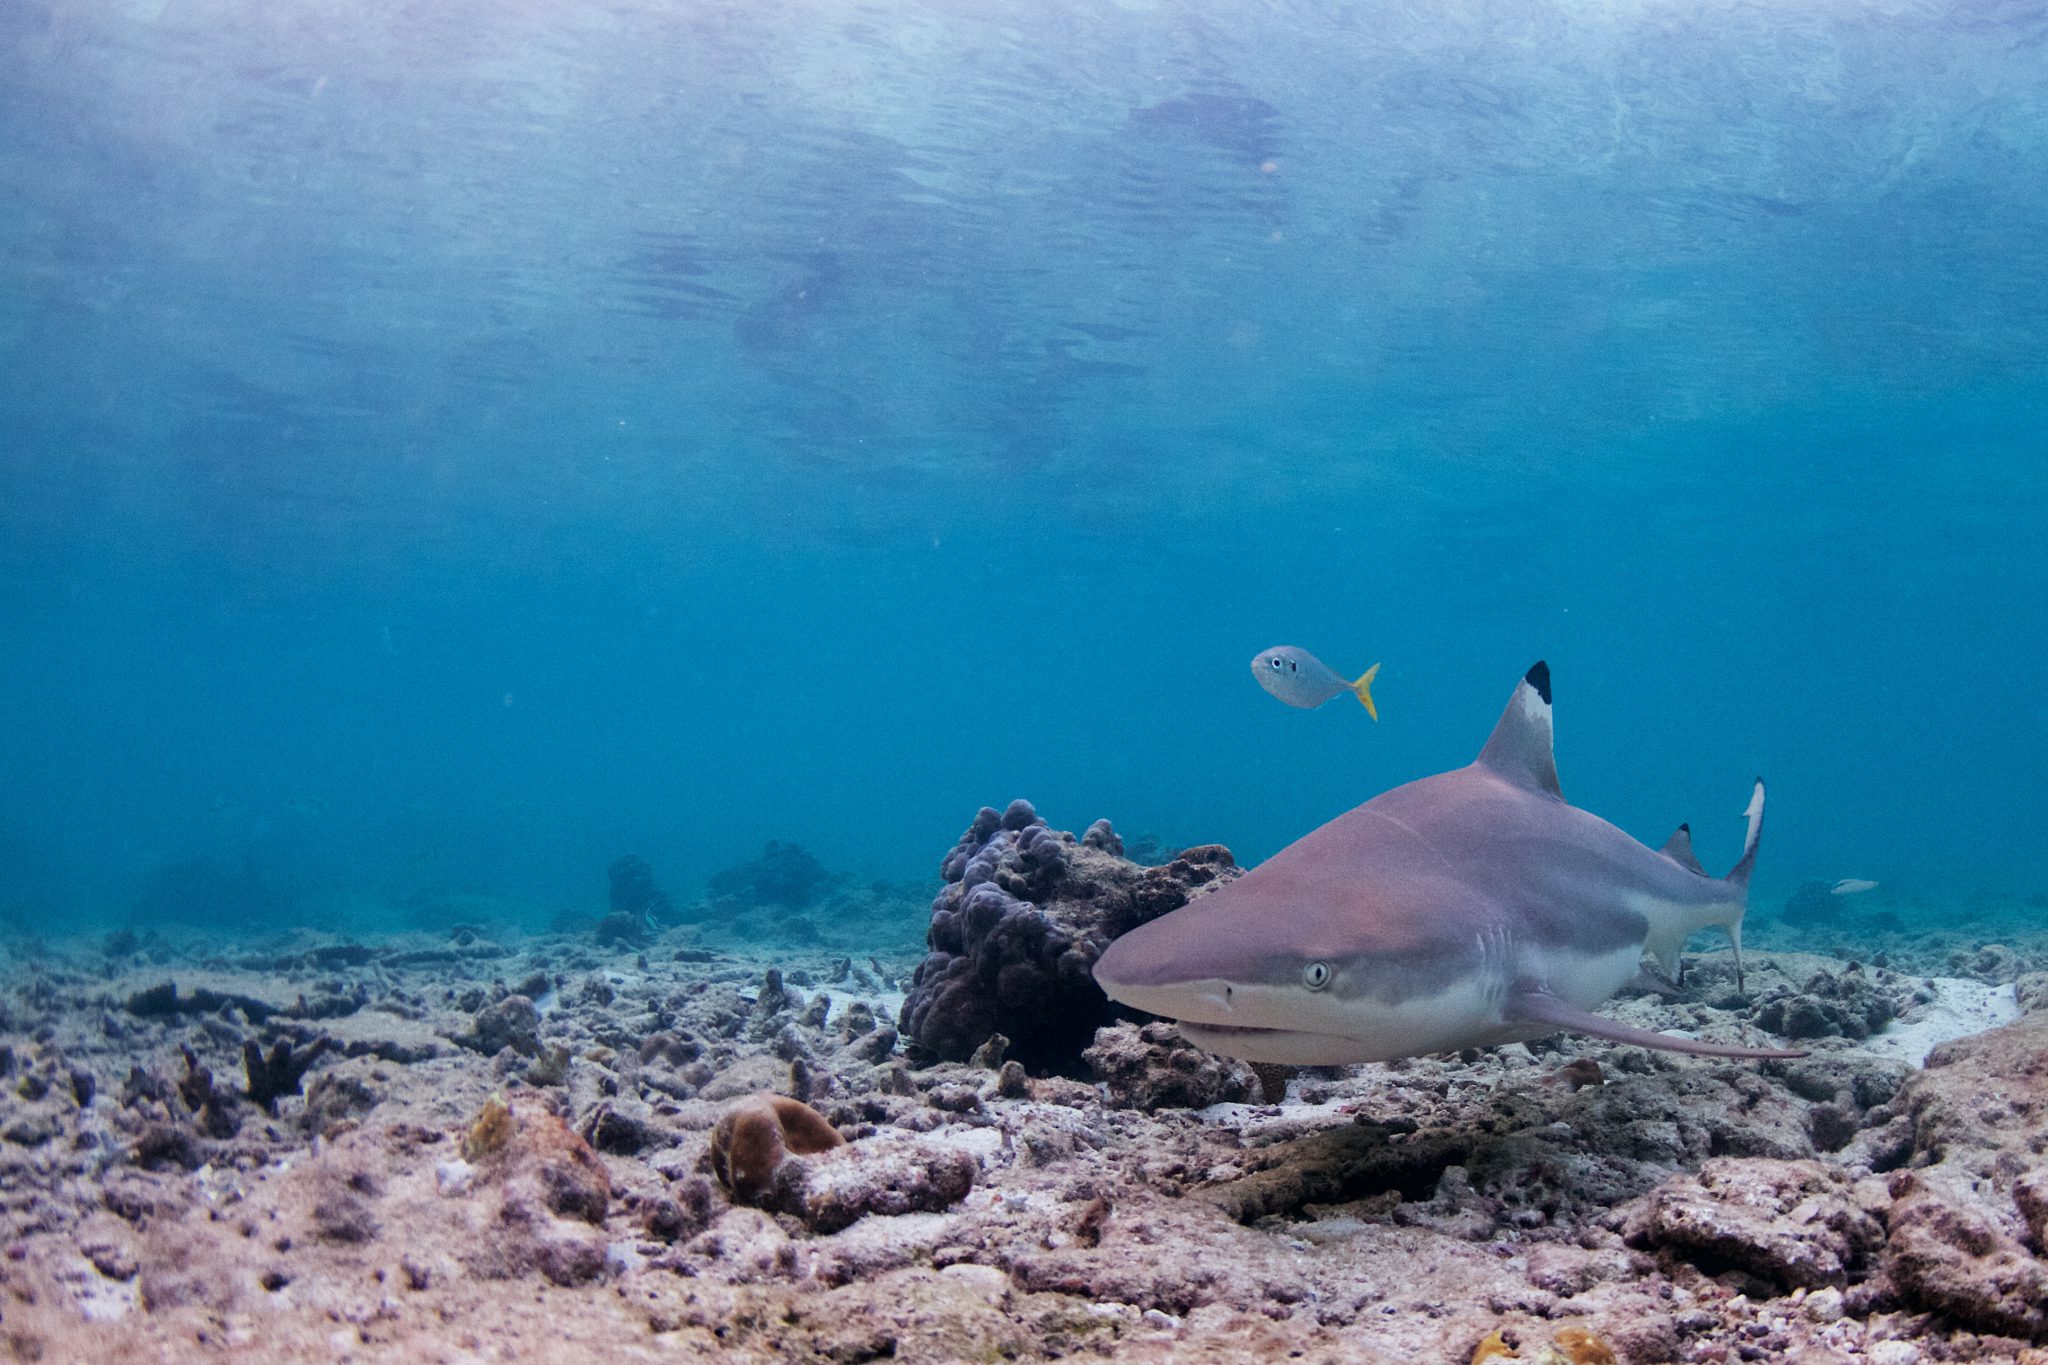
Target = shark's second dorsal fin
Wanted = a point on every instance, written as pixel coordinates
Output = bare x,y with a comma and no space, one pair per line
1519,749
1678,848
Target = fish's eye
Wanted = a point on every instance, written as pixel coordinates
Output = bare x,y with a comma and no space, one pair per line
1316,975
1274,663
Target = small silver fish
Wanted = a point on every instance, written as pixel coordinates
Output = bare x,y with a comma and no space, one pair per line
1299,678
1849,886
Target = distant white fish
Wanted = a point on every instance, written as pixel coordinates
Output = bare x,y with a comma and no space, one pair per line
1850,886
1299,678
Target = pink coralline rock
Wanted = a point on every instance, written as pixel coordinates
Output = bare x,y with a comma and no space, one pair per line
878,1175
1150,1066
553,1189
1952,1258
1967,1222
1793,1223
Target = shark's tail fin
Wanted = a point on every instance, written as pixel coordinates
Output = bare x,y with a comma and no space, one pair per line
1362,689
1724,900
1738,876
1754,813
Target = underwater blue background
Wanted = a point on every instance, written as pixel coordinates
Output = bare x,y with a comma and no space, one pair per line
445,446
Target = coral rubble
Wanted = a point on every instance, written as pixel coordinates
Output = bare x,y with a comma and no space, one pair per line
542,1146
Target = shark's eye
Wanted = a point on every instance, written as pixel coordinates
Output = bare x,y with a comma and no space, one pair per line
1316,975
1275,663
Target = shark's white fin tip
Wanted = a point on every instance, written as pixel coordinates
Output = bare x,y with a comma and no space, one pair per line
1754,813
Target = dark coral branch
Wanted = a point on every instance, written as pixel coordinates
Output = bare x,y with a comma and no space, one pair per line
279,1071
213,1110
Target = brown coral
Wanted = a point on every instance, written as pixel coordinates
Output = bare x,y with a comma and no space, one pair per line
491,1131
757,1134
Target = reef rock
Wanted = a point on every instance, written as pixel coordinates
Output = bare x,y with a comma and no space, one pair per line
1966,1222
1792,1224
888,1174
1844,1004
785,875
1959,1260
1151,1066
550,1185
1811,902
512,1022
1015,932
635,893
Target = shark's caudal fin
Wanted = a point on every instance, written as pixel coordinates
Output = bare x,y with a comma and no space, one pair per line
1738,876
1519,749
1362,689
1726,909
1754,813
1541,1007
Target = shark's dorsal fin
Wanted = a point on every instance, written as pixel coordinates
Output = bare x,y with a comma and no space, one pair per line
1519,749
1678,848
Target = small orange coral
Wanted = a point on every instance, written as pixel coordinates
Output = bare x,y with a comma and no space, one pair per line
491,1131
757,1134
1571,1346
1495,1347
1577,1346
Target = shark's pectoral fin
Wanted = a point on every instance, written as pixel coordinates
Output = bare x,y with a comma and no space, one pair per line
1652,979
1541,1007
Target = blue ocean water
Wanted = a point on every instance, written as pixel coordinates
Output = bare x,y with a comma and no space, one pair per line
444,447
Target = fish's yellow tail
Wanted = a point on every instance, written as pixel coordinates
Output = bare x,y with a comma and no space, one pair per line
1363,689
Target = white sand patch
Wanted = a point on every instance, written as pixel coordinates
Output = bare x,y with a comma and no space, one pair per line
98,1298
887,1005
1960,1008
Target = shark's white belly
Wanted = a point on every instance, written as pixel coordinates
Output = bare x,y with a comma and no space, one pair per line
1584,979
1469,1011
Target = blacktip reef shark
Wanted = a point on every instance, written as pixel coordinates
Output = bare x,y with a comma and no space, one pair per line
1468,909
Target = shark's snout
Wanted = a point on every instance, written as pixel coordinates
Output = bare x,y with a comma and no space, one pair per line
1180,959
1136,971
1126,963
1190,967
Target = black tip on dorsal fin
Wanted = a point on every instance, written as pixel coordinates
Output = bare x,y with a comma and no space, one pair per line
1519,748
1678,848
